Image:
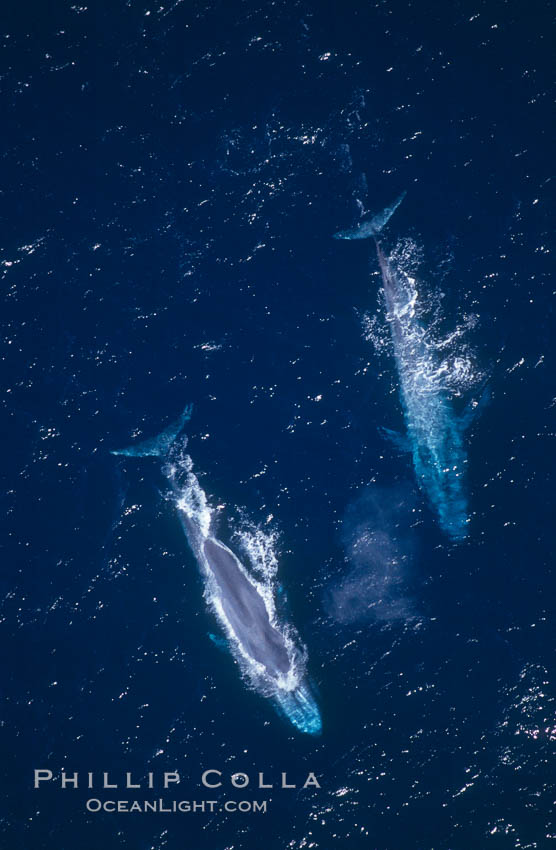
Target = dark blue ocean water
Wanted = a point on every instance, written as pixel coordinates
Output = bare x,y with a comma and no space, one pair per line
171,178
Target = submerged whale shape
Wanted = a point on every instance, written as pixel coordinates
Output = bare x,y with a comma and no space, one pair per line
435,434
264,648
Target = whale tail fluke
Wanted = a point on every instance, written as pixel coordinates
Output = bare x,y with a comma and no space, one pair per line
160,445
373,226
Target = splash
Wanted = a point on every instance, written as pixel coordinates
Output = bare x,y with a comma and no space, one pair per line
444,360
260,547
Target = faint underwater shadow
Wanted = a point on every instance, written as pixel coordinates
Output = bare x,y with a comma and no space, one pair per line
380,545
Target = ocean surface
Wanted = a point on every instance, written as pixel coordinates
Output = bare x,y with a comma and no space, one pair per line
172,175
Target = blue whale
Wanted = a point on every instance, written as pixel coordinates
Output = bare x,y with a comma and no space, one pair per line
265,649
434,432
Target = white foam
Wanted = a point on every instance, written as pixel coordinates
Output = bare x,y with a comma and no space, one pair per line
440,360
190,498
259,546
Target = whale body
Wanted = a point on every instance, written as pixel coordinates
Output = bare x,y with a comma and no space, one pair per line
245,610
434,433
265,649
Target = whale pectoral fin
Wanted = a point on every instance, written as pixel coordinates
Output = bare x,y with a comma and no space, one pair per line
474,408
187,412
400,441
